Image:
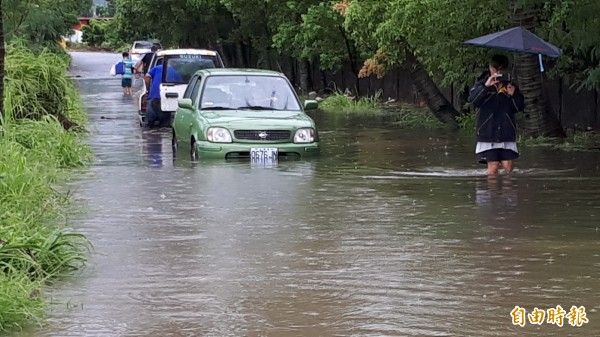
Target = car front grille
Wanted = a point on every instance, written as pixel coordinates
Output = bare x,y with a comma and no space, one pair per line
262,134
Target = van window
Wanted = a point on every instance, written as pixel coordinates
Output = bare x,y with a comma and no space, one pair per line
181,68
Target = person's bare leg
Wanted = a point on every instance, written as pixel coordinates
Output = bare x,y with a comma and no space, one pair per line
493,167
507,165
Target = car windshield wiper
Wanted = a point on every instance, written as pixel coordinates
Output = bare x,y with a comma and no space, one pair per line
256,107
217,108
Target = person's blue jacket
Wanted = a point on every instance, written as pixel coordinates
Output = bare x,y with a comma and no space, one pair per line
495,121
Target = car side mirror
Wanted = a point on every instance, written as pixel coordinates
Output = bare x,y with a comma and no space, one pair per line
185,103
310,104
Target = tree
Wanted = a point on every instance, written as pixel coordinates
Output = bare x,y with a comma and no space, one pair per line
570,25
180,23
317,32
398,39
95,34
108,10
539,120
41,21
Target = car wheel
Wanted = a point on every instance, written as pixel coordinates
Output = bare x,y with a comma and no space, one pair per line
194,152
174,144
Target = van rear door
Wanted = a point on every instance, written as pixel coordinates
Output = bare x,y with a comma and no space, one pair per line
177,72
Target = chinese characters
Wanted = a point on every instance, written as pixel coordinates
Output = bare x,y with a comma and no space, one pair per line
557,315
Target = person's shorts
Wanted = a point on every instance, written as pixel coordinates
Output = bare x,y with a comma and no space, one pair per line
496,155
126,82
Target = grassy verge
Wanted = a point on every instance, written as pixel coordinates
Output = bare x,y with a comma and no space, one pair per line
405,116
340,102
409,116
576,141
35,152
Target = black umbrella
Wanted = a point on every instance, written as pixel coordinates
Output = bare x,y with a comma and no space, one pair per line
517,39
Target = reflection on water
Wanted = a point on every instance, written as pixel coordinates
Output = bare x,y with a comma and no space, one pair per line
388,233
152,148
496,194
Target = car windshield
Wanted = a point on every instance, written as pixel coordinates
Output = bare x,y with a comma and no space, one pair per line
186,65
251,92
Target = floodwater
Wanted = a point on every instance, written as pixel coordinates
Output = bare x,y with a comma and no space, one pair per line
388,233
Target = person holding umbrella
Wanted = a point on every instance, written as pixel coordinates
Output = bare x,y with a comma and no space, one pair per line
497,100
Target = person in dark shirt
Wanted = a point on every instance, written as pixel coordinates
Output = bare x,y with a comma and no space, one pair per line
144,63
153,79
497,100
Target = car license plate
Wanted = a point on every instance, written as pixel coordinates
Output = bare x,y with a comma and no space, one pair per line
263,154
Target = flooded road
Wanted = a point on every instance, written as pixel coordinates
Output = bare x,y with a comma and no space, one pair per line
389,233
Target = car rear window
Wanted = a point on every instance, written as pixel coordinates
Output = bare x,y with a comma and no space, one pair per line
181,68
146,45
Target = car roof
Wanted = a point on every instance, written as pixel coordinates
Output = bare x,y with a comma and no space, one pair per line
167,52
241,71
146,41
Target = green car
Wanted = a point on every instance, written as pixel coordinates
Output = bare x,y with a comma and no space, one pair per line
243,113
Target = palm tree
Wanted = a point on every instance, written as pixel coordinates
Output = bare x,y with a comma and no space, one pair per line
539,120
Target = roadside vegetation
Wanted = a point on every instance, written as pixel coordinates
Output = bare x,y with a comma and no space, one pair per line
343,102
41,130
415,117
576,140
406,116
102,35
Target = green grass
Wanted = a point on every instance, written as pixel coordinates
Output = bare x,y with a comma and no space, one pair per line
36,153
404,116
577,141
36,86
19,301
414,117
340,102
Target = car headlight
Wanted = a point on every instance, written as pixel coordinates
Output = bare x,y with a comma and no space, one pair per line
218,135
306,135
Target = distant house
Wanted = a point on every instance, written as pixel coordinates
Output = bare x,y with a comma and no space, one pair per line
77,36
83,21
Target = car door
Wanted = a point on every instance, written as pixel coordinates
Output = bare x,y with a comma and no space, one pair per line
177,71
185,118
173,84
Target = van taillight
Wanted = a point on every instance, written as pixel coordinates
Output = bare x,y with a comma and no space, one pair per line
144,102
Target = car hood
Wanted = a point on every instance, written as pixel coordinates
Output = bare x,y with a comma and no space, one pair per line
244,119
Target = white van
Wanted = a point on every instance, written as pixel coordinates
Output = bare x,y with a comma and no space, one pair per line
178,67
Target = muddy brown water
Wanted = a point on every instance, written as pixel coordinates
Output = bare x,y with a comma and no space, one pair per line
388,233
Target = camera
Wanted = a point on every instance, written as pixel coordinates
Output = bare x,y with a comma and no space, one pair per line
504,76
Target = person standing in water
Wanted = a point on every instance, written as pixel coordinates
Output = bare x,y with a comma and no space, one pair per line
126,79
497,100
